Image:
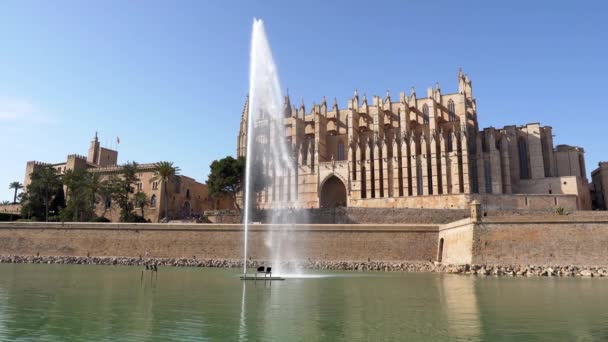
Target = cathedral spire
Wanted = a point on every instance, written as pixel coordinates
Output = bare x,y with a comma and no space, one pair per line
302,110
287,106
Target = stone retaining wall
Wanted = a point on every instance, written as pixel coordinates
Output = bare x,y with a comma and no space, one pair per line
550,240
215,241
348,215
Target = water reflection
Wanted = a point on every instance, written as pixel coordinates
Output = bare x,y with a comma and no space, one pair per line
461,308
242,324
57,303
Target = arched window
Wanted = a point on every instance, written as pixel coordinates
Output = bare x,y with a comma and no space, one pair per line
188,193
522,146
451,111
153,201
108,202
341,150
425,114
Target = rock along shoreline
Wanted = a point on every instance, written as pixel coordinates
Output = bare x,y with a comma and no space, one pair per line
369,266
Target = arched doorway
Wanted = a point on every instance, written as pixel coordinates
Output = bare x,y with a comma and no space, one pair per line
333,193
186,211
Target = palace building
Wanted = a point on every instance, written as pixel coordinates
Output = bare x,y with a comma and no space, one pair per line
420,152
186,197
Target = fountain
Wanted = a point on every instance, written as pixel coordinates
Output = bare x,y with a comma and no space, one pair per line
269,157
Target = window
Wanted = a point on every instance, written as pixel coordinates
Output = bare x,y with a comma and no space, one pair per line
524,172
154,185
108,202
340,150
188,193
153,201
425,114
139,186
451,111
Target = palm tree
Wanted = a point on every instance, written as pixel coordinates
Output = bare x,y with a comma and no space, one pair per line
68,179
165,172
17,186
97,186
141,201
5,202
49,182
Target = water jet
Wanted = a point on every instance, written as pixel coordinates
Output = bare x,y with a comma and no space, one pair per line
270,158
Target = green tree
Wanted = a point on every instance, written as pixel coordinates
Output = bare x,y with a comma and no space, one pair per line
227,178
165,172
96,187
121,187
83,189
68,179
17,186
141,201
74,182
5,202
44,194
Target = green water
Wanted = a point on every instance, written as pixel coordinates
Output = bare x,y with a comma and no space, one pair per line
106,303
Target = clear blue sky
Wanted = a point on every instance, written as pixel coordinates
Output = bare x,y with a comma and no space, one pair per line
170,77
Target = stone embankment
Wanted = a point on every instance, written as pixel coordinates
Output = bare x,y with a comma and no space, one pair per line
479,270
527,271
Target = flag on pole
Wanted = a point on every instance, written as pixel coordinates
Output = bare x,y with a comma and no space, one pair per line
117,140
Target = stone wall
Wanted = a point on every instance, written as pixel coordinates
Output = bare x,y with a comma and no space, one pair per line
599,178
214,241
528,202
541,241
345,215
456,242
457,201
14,209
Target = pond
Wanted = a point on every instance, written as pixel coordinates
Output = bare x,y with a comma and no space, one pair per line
120,303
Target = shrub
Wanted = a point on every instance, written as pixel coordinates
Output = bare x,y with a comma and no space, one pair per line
561,211
101,219
27,220
133,218
8,217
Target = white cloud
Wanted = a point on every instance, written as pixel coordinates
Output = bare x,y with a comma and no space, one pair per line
21,111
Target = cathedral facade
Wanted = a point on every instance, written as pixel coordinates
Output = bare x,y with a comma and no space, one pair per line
419,152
